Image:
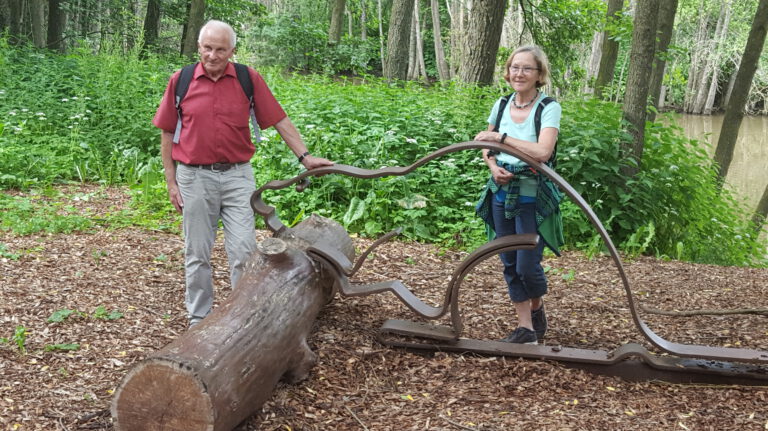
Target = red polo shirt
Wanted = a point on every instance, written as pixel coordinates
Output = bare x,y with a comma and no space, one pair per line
215,117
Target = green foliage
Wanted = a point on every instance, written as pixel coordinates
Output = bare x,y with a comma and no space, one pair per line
20,339
59,316
102,313
302,44
672,208
27,215
65,347
4,253
560,25
78,117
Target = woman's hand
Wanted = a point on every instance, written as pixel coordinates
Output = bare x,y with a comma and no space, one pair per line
488,135
500,175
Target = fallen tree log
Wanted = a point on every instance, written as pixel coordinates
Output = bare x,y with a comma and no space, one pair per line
223,369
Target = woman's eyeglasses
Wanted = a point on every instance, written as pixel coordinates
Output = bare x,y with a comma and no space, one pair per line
524,70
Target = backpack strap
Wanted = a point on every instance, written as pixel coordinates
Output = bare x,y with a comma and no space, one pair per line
502,106
537,124
182,85
245,81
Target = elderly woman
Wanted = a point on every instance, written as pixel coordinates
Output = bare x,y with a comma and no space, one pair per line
517,199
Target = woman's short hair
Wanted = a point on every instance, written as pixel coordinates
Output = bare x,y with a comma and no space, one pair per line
541,61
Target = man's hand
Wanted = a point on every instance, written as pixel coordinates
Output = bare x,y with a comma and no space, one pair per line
312,162
175,196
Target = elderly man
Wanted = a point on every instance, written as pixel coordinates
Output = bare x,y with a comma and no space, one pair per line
207,166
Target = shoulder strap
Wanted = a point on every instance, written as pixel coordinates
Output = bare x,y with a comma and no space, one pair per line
245,81
182,85
502,106
185,78
537,124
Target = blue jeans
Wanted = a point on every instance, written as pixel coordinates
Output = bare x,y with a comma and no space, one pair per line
522,268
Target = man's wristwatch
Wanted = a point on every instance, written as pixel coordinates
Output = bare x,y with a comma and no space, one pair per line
301,157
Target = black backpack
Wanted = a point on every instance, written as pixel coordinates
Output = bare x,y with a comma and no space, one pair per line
188,71
536,123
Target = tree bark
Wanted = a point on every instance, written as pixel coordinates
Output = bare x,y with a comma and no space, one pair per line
55,39
381,36
482,42
714,83
761,212
337,15
363,21
593,67
443,71
666,20
610,51
37,12
223,369
398,39
151,26
16,14
638,79
734,112
194,24
710,68
695,70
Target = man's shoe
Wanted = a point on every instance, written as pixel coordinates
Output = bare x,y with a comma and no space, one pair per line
521,336
539,319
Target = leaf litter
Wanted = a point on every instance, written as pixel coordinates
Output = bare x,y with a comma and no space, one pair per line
62,288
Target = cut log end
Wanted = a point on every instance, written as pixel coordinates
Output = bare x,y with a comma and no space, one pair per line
159,394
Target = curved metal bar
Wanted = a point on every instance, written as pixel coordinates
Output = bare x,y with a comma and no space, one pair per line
684,350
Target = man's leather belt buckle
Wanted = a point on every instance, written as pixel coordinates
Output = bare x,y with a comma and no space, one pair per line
219,167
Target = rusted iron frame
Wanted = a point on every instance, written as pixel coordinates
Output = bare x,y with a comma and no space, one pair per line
343,267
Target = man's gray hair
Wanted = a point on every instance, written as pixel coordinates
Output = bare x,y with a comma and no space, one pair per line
218,25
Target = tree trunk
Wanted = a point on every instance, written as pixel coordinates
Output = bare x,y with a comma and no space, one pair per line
443,71
714,84
638,79
55,26
16,14
667,11
734,112
421,28
695,69
363,21
761,212
398,39
482,42
337,15
412,62
194,24
151,26
37,12
709,71
381,36
593,67
223,369
610,51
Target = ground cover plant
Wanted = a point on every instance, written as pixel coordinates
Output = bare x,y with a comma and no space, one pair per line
87,118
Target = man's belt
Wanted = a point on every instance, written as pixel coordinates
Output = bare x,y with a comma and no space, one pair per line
216,167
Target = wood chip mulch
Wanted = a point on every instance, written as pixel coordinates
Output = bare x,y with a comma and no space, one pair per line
359,384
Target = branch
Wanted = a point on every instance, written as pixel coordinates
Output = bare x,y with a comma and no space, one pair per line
705,312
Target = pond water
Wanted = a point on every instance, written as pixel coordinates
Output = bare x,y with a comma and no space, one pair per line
748,174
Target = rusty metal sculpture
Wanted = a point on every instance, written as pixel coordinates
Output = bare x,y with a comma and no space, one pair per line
223,369
679,363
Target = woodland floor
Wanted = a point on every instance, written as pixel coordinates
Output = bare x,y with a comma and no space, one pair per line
359,384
